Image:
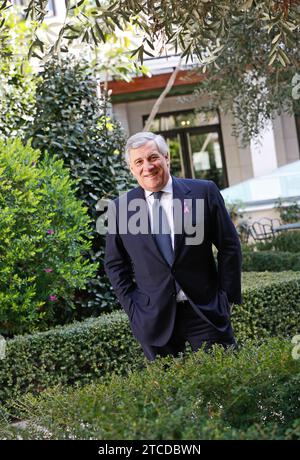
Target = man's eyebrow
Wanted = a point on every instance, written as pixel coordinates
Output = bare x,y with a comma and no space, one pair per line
147,156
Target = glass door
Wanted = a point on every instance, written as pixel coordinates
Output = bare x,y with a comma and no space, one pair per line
195,143
206,157
176,159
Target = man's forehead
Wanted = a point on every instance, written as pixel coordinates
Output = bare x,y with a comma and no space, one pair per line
144,150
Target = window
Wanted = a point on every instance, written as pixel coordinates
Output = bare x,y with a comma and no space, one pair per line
186,119
195,144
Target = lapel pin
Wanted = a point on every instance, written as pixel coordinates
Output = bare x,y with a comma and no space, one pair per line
186,209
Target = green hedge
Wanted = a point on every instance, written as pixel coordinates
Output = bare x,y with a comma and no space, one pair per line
271,306
273,261
77,353
288,241
82,352
254,394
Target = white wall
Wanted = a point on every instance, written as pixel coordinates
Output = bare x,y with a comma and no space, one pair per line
279,146
60,10
263,152
287,144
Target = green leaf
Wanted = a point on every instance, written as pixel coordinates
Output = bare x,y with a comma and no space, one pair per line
77,5
99,31
276,38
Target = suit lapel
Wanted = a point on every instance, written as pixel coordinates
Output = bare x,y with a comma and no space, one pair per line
180,192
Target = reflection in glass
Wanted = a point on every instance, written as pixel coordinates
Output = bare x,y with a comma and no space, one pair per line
195,144
201,161
206,157
176,164
185,119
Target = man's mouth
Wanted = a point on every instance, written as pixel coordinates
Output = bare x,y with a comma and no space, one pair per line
151,175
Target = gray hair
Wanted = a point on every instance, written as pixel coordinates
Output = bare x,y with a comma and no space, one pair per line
140,139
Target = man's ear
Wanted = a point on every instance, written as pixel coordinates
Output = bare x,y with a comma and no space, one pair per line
168,159
131,170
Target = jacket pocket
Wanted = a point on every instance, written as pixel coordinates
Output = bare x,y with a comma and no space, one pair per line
140,298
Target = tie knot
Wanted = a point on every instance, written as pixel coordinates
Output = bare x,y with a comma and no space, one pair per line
157,195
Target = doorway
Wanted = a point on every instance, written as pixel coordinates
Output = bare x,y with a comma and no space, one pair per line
195,144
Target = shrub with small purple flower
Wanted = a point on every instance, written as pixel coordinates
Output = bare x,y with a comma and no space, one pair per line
45,232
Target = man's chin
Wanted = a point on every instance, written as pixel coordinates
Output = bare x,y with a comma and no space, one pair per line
152,183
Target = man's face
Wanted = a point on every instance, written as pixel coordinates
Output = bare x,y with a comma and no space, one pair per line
150,167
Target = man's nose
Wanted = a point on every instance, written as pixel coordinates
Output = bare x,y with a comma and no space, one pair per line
148,166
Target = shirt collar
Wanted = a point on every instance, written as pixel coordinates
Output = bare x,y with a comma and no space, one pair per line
168,188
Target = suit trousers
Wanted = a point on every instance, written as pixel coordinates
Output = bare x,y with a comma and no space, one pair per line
190,327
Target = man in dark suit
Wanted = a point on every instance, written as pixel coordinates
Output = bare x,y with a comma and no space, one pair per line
161,263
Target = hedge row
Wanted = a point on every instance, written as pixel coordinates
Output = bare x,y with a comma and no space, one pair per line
254,394
284,242
82,352
273,261
77,353
271,306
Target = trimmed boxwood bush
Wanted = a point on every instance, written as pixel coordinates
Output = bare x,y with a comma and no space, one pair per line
77,353
254,394
273,261
81,352
271,306
288,241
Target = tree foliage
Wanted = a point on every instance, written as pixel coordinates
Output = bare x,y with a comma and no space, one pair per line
72,122
247,49
245,82
17,81
198,27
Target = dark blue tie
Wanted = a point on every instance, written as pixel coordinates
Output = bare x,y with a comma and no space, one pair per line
161,229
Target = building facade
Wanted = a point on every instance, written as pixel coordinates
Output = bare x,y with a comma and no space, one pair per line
201,144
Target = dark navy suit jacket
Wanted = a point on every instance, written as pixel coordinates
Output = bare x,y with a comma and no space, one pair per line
145,284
